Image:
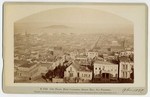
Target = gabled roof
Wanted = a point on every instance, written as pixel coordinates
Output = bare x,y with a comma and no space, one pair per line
76,66
84,68
80,68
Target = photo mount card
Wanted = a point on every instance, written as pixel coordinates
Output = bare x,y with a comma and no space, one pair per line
92,48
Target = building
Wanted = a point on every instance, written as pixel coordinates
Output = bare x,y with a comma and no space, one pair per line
105,70
71,71
66,57
81,57
28,71
18,63
82,60
116,55
126,53
116,48
85,74
92,54
111,58
114,43
125,68
58,51
73,55
16,57
78,73
50,51
100,59
105,56
34,55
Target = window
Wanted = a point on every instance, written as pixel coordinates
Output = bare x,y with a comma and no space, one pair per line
126,74
123,74
126,67
70,68
71,74
116,75
85,75
95,72
103,67
123,66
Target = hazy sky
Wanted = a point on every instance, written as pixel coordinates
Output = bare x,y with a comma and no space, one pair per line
75,17
90,15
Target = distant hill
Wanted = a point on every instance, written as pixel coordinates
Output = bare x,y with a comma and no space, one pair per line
75,18
57,26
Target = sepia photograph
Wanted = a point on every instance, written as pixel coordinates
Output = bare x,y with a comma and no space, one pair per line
75,48
73,45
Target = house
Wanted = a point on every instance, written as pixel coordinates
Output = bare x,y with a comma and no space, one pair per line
81,58
16,57
71,71
92,54
58,51
116,48
126,53
34,55
111,58
73,55
28,71
105,56
78,73
100,59
105,70
85,74
18,63
66,57
50,51
116,55
125,68
114,43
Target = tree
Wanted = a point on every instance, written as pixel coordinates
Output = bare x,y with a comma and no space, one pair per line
132,74
59,71
44,77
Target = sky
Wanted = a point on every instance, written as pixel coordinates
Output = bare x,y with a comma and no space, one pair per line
89,16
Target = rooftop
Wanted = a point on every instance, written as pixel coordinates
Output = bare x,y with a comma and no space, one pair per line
81,56
51,58
124,59
84,68
80,68
19,62
105,62
27,65
42,63
93,50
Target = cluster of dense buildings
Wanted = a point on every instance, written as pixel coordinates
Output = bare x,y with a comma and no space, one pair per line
87,66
